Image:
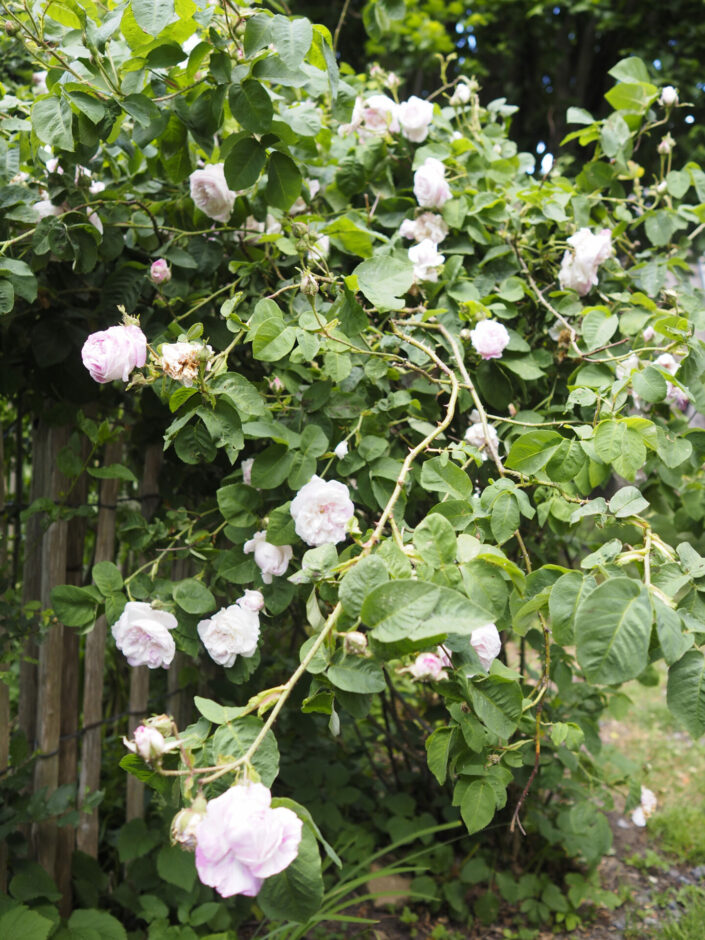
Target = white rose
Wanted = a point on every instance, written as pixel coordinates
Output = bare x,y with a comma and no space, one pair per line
426,260
320,248
272,560
460,96
142,634
430,187
486,643
379,115
625,368
415,115
647,807
666,362
489,339
247,470
251,600
427,225
355,121
341,450
230,633
149,744
210,192
46,207
475,435
579,266
669,96
321,510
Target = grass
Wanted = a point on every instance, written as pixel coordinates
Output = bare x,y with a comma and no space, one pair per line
690,925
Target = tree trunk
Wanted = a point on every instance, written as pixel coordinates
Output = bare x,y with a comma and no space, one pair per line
4,690
53,572
93,664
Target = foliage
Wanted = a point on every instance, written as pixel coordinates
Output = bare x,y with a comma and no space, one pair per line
313,329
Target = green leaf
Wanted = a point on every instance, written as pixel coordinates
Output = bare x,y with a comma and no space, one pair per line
251,106
272,340
22,924
74,606
283,181
613,629
257,33
504,520
116,471
194,597
435,541
627,501
90,923
7,296
669,628
135,840
218,714
567,462
244,163
598,328
564,599
649,385
107,577
478,805
532,451
232,741
632,96
437,752
292,38
360,581
497,703
153,15
176,867
444,476
354,674
296,893
686,692
418,612
384,281
631,69
51,122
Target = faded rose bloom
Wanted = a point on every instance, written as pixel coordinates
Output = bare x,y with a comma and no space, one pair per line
667,362
181,361
251,600
231,632
426,260
341,450
649,334
210,192
321,511
627,366
355,643
379,115
430,187
142,634
159,272
460,96
95,188
427,225
247,470
149,744
242,840
427,666
415,116
475,435
272,560
46,207
676,396
486,643
185,824
647,807
113,353
489,339
669,96
580,262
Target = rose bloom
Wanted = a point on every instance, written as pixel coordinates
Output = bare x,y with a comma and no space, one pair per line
321,510
460,96
355,121
210,192
247,470
149,744
379,115
647,807
415,115
231,632
242,840
427,225
667,362
272,560
629,365
475,435
142,634
489,339
649,334
427,666
95,188
341,450
251,600
430,187
579,266
426,260
486,643
159,272
669,96
113,353
181,361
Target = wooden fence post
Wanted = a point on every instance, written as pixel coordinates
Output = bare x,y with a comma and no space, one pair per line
93,664
4,690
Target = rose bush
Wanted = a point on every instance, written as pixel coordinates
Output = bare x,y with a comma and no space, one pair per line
514,519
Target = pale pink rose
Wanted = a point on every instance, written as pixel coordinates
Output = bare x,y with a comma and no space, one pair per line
321,511
275,384
580,262
486,643
149,744
427,666
251,600
247,470
646,808
430,187
159,272
142,634
272,560
113,353
668,363
426,260
676,396
649,334
45,207
181,361
475,435
379,115
489,339
407,229
210,192
427,225
415,115
231,632
242,840
341,450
